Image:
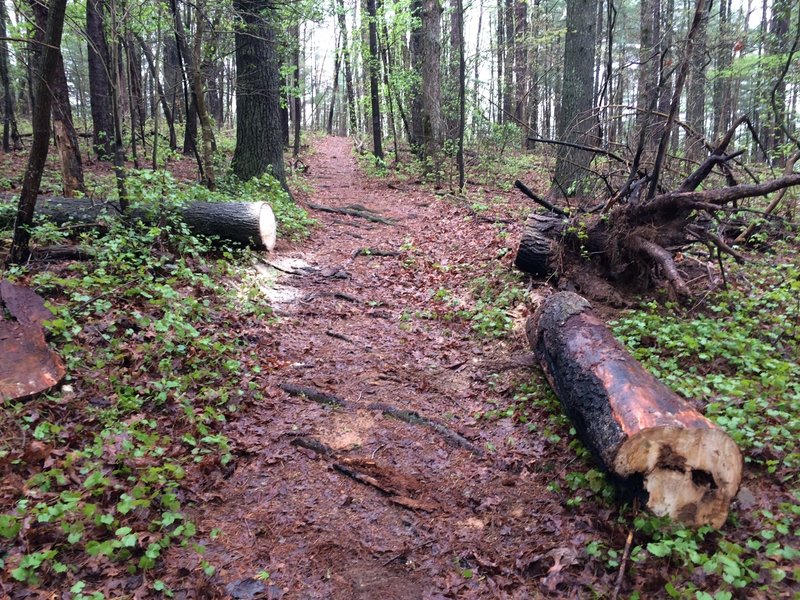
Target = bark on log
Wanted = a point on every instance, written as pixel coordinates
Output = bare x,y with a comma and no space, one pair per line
538,245
248,223
635,426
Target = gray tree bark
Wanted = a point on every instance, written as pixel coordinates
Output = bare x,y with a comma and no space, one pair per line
259,138
575,122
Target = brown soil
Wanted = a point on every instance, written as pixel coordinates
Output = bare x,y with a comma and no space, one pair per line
442,521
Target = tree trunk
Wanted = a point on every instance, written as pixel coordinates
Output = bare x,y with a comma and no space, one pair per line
374,81
696,92
417,56
575,122
296,94
433,125
508,59
537,253
206,124
259,138
778,45
337,61
462,91
521,61
10,133
162,97
99,84
348,72
48,64
63,127
27,364
636,427
722,82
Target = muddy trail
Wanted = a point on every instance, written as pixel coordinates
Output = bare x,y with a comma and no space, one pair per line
367,472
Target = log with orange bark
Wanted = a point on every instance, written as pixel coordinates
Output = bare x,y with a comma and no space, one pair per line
635,426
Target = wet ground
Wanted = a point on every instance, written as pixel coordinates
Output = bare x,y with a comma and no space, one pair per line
343,499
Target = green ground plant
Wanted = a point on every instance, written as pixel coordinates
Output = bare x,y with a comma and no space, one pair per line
152,377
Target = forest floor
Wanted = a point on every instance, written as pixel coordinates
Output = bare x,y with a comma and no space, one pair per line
367,420
452,519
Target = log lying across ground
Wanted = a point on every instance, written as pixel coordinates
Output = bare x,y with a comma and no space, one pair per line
247,223
635,426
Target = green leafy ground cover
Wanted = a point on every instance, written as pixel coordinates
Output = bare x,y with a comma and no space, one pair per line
153,333
736,355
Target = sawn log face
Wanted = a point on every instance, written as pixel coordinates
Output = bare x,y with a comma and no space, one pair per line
631,422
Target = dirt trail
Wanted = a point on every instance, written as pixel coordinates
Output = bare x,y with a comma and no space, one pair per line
455,523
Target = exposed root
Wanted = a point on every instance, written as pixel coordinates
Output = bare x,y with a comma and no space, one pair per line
662,258
353,210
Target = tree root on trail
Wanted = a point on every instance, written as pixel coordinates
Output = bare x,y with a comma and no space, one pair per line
414,418
407,416
314,394
375,252
339,336
353,210
401,489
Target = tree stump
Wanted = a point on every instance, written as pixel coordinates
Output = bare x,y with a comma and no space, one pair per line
634,425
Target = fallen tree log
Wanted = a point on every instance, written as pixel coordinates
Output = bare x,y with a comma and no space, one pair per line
538,246
247,223
635,426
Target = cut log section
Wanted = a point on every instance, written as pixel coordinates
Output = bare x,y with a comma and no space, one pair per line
634,425
27,365
538,246
247,223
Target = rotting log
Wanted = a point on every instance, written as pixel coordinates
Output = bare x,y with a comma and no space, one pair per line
636,427
538,246
246,223
27,365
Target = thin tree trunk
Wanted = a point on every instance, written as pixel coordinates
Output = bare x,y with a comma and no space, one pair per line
336,65
152,64
50,54
295,101
695,92
374,78
348,73
10,132
63,127
462,69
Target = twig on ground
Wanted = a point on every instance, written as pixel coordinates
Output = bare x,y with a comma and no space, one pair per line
339,336
313,394
622,564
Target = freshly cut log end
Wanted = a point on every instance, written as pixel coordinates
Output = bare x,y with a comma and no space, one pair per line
249,223
538,245
635,426
690,475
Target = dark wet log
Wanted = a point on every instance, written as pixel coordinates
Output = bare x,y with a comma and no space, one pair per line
247,223
27,365
635,426
538,246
